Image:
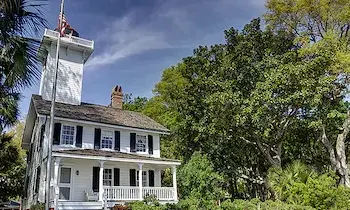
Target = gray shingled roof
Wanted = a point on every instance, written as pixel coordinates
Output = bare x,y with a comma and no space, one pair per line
99,114
113,154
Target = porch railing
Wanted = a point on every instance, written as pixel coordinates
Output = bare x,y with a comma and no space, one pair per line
126,193
121,193
162,193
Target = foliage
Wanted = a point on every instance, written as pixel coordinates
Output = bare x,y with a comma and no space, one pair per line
256,204
38,206
199,184
322,28
134,104
18,59
12,163
309,18
299,184
264,97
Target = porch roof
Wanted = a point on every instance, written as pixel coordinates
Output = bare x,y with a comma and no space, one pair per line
113,156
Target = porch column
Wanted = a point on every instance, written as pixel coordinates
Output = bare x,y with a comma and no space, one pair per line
140,181
174,182
101,191
55,181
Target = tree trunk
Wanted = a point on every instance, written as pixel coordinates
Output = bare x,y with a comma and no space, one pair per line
342,167
337,157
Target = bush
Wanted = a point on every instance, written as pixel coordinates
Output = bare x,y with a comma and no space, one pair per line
256,204
198,180
38,206
300,185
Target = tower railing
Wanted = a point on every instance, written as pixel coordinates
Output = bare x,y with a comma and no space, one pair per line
74,39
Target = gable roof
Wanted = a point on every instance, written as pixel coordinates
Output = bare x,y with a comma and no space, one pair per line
98,114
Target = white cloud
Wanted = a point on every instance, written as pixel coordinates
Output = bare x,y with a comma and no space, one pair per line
123,40
175,24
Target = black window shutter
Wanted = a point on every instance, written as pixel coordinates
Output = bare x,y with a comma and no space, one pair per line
25,193
150,144
29,157
57,133
37,181
151,178
79,136
95,178
97,138
132,142
117,140
116,177
42,134
132,176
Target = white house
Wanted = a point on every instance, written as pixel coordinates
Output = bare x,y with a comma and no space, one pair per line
102,155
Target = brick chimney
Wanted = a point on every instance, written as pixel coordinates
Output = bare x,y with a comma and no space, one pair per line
117,97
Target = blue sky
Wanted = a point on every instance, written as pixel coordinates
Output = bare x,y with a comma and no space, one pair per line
135,40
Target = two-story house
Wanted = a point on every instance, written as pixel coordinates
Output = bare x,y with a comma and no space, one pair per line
102,155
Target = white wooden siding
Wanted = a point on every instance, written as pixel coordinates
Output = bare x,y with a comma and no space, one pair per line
89,137
83,181
70,75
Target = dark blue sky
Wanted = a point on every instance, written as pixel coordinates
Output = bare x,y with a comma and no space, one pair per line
135,40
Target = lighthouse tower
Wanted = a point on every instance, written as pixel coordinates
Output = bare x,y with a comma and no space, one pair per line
73,54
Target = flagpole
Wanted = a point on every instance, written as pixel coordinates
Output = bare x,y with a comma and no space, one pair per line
52,116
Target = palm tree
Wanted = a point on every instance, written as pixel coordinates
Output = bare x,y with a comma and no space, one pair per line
19,21
281,180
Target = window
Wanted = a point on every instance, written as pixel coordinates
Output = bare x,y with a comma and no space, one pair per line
107,177
107,140
68,134
140,143
144,178
65,175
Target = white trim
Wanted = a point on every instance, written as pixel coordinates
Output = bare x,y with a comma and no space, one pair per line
106,125
128,160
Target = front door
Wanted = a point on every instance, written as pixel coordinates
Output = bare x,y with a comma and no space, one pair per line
65,183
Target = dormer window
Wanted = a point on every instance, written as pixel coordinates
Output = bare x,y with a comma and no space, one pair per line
107,139
68,135
140,143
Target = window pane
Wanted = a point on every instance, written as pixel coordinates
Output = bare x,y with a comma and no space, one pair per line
107,139
68,134
107,177
140,143
65,175
144,178
64,193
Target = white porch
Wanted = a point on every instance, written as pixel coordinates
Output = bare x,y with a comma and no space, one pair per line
123,180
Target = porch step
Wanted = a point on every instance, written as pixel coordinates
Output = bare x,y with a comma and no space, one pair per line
72,205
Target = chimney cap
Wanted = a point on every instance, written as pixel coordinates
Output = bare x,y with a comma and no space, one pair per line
117,90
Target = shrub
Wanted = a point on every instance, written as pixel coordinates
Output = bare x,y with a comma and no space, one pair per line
300,185
198,180
38,206
256,204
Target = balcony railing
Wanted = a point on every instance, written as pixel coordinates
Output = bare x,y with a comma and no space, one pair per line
74,39
126,193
